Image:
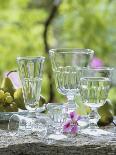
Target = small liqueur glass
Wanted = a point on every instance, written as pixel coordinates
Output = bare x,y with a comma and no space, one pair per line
94,87
57,114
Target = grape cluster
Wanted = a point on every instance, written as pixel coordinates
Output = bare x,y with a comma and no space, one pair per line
11,99
7,103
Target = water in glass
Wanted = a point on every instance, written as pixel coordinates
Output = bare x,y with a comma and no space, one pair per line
31,90
95,90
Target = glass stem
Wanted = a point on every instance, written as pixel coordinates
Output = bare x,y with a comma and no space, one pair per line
31,114
71,103
93,118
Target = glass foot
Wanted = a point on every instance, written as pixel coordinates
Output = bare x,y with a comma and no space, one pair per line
57,136
53,138
95,132
83,122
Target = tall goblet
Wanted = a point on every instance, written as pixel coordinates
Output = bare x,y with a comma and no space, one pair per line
64,64
94,88
30,71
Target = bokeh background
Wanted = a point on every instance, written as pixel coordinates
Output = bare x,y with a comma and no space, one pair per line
32,27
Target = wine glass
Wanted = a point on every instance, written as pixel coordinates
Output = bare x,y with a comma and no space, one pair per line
64,64
19,125
30,72
94,87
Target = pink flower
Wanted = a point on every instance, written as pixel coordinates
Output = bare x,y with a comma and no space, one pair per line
96,62
71,126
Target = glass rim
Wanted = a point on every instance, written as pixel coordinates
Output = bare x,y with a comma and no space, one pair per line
97,68
70,50
30,58
55,104
94,78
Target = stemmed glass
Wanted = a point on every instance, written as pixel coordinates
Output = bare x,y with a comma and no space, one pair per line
64,64
30,71
94,88
19,125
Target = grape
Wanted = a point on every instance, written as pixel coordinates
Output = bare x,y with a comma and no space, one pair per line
14,107
7,94
9,99
7,103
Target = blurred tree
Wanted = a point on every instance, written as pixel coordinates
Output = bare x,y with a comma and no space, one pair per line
87,24
46,45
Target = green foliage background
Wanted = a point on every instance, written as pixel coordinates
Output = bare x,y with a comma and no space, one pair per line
78,23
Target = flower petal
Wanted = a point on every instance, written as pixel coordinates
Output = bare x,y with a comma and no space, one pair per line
78,118
14,76
74,129
73,115
67,127
96,62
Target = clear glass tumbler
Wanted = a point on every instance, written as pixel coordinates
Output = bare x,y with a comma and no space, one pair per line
30,71
56,112
65,64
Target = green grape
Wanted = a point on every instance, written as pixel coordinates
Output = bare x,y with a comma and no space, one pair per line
7,94
9,99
